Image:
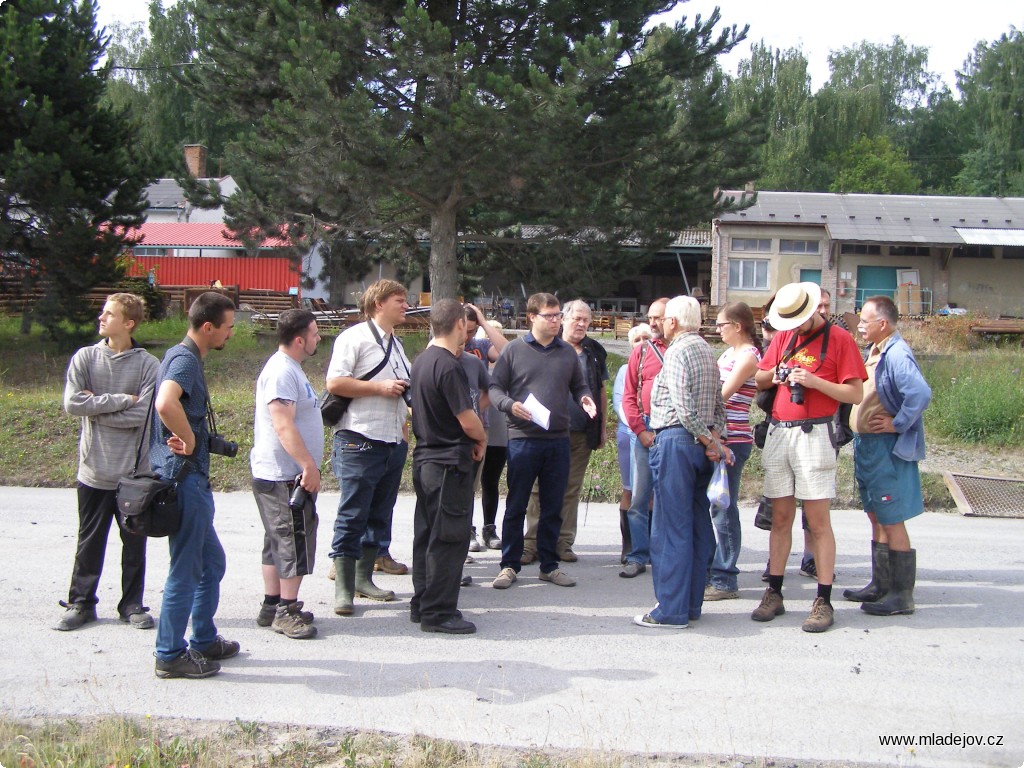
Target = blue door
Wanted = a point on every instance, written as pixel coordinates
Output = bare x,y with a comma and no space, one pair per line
810,276
875,281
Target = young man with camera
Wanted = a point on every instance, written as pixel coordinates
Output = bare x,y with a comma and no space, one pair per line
817,366
181,436
109,387
371,442
288,447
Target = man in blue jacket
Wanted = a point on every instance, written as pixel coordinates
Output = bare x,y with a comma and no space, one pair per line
888,445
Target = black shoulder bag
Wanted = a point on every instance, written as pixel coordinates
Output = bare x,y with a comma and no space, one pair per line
333,407
147,504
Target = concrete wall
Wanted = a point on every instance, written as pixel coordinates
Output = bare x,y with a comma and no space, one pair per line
988,286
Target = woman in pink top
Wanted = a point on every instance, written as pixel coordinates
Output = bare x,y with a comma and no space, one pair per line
736,367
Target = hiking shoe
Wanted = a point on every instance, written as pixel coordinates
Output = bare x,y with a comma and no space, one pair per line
138,618
567,555
646,620
528,557
388,564
809,569
268,612
558,577
821,618
490,537
190,664
505,579
289,621
770,607
631,570
474,543
714,593
220,649
76,615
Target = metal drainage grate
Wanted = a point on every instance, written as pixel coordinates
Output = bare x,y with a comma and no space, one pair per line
986,496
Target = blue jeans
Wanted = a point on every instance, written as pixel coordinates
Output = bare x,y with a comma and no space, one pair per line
681,534
369,473
639,515
545,462
193,578
722,572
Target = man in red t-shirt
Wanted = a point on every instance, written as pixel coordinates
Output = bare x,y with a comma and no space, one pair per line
817,366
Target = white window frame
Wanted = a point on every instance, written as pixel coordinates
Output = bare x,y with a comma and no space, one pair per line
748,274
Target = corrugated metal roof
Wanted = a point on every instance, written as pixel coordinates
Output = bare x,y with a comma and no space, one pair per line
922,219
194,236
973,236
165,194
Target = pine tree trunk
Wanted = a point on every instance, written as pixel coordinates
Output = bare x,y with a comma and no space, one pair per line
444,266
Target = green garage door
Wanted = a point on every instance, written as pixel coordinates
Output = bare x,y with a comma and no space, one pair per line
875,281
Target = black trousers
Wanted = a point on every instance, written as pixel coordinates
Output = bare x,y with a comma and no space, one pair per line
444,511
96,510
494,463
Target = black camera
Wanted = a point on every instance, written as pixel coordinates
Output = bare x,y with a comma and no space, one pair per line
222,447
297,502
796,391
407,392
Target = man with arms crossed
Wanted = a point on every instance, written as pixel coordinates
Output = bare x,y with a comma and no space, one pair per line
888,444
288,447
818,366
543,366
181,436
450,438
109,386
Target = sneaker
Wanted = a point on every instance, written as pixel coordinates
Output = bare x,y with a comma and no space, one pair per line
138,618
770,607
764,576
470,560
559,578
631,570
714,593
505,579
268,611
466,580
388,564
528,557
190,664
646,620
77,615
220,649
490,536
474,543
567,555
288,621
822,616
809,569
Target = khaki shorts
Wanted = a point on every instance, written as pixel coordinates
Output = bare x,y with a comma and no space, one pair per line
798,463
289,541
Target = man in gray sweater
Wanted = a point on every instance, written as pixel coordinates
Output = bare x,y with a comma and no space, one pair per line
531,383
109,385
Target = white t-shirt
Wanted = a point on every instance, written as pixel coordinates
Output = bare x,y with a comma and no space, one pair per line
283,379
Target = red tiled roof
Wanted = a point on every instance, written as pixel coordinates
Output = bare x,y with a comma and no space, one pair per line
194,236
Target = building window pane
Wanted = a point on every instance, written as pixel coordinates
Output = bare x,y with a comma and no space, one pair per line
748,274
752,244
799,246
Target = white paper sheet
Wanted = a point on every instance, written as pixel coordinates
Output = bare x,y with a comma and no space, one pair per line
539,415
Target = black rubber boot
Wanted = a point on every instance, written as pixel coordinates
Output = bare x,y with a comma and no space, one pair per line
879,584
344,585
627,540
900,598
364,577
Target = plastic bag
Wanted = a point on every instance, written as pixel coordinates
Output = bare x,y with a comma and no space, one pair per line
718,488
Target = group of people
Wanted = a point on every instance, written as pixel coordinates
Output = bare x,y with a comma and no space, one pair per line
475,405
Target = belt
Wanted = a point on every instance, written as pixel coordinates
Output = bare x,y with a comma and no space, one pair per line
803,422
659,430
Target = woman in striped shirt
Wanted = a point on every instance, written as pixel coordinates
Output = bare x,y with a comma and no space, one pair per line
736,367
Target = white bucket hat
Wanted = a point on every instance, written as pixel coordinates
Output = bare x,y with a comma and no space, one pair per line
794,305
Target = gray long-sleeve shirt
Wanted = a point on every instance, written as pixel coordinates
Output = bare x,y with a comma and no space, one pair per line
111,420
548,373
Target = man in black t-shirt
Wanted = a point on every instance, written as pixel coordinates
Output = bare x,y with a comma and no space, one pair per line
449,438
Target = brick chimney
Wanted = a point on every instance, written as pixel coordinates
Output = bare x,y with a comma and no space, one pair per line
195,160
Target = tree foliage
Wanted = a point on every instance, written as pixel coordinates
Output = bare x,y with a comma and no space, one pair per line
874,166
467,120
69,177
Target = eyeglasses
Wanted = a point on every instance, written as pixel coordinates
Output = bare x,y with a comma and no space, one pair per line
868,322
720,326
549,316
655,318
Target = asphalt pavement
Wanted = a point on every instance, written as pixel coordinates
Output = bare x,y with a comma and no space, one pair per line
558,667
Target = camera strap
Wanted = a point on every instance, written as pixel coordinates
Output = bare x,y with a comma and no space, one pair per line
794,346
387,352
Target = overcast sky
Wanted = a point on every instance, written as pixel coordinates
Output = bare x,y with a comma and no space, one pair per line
949,31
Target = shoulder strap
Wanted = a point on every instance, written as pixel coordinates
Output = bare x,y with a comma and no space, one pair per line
387,352
657,351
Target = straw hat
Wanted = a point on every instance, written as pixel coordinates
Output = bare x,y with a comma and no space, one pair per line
794,305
